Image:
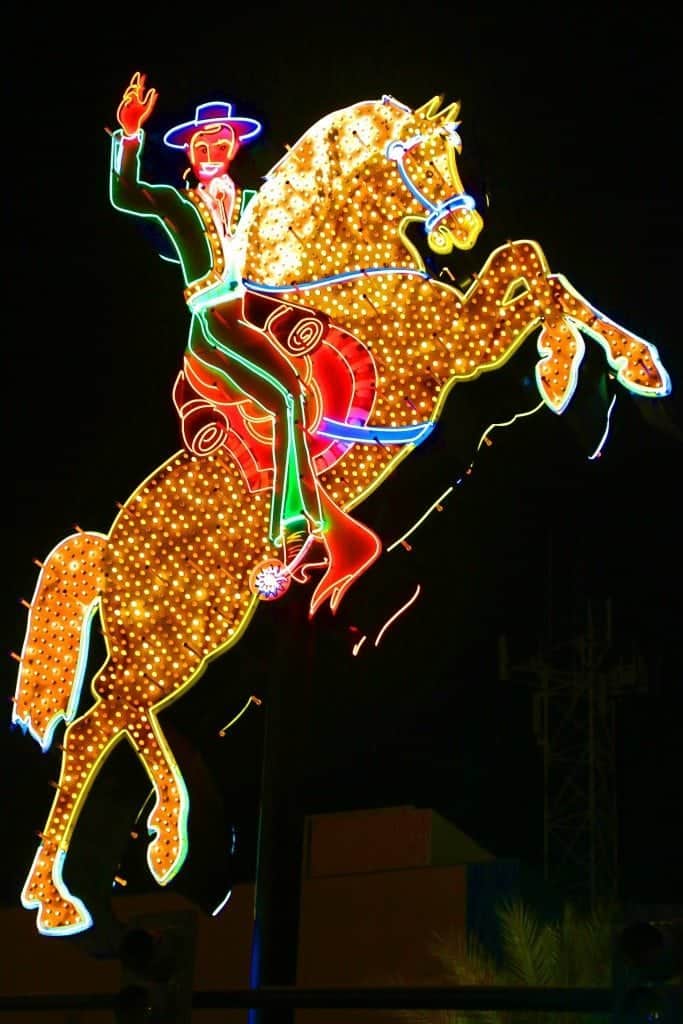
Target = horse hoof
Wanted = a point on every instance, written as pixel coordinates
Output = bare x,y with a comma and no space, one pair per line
63,917
59,911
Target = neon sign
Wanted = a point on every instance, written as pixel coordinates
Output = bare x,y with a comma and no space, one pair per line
320,353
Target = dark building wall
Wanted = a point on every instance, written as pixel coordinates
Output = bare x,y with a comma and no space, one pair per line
378,887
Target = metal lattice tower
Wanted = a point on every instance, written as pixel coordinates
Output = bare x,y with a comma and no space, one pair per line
576,686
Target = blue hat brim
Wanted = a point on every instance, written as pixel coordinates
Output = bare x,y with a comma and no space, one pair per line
245,129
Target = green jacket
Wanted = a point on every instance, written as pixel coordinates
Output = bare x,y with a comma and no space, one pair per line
176,213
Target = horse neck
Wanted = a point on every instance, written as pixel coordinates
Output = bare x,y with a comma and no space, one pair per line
319,200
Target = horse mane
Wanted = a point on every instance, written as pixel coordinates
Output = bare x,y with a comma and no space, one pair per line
318,173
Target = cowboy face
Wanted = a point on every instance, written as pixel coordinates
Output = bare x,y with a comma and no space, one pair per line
211,151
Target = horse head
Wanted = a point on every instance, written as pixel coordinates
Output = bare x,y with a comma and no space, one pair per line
342,197
426,162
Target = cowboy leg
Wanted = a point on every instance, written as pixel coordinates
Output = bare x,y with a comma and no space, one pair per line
252,362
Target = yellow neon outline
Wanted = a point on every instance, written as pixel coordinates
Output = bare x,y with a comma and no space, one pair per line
507,423
251,700
396,614
420,520
357,646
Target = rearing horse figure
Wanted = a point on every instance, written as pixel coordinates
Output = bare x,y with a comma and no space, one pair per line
188,558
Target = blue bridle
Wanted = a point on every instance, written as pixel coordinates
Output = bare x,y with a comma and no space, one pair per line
396,151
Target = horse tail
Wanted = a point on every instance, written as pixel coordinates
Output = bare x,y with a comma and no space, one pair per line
54,654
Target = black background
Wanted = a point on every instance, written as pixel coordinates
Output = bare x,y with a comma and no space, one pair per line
571,126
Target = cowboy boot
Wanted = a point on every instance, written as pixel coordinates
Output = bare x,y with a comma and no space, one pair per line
351,549
302,549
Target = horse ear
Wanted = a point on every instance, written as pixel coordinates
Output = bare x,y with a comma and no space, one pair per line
450,113
430,109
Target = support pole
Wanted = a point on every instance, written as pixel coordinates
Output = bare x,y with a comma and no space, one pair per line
281,818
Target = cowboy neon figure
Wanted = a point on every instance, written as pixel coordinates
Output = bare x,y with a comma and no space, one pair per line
238,354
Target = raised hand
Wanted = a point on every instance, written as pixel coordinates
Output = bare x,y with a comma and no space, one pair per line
136,104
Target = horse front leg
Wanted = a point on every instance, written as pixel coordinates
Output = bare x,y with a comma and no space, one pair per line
636,362
87,741
516,280
511,297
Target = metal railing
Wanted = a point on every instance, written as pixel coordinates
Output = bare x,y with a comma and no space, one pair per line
473,998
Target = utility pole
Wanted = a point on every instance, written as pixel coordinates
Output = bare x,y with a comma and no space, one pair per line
576,685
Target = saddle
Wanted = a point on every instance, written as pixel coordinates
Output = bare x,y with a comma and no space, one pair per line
337,370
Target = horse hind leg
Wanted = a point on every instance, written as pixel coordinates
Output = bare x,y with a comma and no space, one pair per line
167,821
636,362
86,743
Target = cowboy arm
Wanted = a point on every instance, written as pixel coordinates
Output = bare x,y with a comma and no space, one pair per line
127,189
167,205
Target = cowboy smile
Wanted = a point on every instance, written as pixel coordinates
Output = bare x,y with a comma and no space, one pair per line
209,167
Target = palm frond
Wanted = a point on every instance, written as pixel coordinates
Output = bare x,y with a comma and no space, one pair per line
531,949
575,951
464,960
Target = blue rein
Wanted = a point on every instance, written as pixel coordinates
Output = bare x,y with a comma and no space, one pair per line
338,431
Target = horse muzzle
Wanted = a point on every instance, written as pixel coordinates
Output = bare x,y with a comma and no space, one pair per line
455,229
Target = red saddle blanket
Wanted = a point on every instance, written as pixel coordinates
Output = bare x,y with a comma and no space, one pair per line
337,370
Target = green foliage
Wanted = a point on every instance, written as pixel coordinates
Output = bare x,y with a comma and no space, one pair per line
464,961
575,952
531,949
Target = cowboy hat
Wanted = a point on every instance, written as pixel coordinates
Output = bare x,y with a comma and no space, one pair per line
245,128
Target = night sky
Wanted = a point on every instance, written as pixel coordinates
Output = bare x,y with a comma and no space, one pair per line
571,128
